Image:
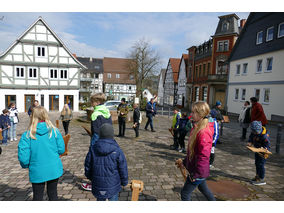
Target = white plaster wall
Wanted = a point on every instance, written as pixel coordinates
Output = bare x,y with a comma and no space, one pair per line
44,72
8,57
63,52
40,29
52,50
28,49
41,37
182,83
17,49
20,97
8,70
18,57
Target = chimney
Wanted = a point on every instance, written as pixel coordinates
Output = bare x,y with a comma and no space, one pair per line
91,59
74,55
242,23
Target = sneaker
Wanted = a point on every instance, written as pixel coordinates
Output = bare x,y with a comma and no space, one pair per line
172,147
211,166
153,130
259,182
15,139
180,150
87,186
256,178
11,140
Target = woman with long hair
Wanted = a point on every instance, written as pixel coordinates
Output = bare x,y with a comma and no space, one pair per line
198,152
39,149
66,116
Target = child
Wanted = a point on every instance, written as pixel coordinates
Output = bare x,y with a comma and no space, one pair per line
4,125
136,119
100,116
259,138
174,128
198,152
214,140
13,115
66,117
106,166
39,149
122,111
182,131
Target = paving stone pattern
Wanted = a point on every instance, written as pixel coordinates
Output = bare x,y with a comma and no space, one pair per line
149,159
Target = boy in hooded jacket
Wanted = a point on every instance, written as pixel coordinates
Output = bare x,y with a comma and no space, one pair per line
106,166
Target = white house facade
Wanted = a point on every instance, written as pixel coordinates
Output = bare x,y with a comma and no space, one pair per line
256,65
160,98
38,66
119,91
182,80
169,86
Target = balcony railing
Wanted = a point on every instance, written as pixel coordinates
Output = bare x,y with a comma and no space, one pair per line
218,78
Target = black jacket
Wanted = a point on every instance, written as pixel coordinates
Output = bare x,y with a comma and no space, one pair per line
136,116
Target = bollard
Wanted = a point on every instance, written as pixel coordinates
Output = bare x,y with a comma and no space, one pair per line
278,138
221,130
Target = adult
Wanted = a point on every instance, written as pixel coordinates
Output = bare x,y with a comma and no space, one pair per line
122,111
257,113
66,116
198,153
14,119
39,150
150,113
35,104
244,119
216,113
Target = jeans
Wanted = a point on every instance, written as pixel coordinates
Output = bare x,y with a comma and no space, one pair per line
182,135
121,125
65,126
189,187
113,198
38,189
259,164
150,121
136,129
12,130
5,136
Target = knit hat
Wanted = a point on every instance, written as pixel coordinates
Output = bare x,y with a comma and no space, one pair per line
218,103
106,131
256,126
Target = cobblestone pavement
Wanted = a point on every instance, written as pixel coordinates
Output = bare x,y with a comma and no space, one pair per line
150,160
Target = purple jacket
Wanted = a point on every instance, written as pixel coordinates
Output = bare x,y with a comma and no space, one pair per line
198,167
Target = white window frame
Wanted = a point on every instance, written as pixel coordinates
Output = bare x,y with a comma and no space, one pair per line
266,70
222,46
45,51
237,93
64,70
257,71
259,93
117,75
257,35
28,73
241,98
49,73
267,33
263,101
108,75
278,34
20,67
196,94
238,66
245,73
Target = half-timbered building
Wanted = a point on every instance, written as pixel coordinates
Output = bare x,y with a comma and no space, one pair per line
182,80
38,66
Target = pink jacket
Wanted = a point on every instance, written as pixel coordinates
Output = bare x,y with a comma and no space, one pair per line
198,167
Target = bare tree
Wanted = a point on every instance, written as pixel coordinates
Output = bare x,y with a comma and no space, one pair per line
145,62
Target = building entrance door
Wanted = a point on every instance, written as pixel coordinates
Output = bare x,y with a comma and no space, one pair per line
53,102
29,100
68,99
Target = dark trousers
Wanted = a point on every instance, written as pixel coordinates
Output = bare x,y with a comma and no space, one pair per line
176,139
38,189
121,125
150,121
189,187
136,129
259,164
212,157
181,137
65,126
244,133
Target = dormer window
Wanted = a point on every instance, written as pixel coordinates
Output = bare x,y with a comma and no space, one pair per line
259,37
225,26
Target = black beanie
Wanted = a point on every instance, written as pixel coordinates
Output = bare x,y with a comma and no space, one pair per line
106,131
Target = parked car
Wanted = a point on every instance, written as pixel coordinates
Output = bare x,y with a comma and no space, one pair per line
112,105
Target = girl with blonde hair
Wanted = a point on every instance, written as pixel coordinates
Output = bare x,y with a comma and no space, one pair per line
198,152
66,116
39,149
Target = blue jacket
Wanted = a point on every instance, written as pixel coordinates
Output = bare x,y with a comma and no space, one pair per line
260,140
216,130
4,121
41,156
182,124
149,108
106,167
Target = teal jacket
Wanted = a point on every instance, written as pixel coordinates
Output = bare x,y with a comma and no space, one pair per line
41,156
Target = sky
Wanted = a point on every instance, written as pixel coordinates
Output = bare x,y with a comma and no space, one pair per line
112,34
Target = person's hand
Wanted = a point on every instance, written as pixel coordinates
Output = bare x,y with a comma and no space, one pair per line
0,129
8,127
249,144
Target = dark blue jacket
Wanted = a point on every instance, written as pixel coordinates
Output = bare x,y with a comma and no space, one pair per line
106,167
4,121
182,124
149,108
260,140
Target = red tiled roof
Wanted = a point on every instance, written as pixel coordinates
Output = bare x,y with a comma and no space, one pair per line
175,67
